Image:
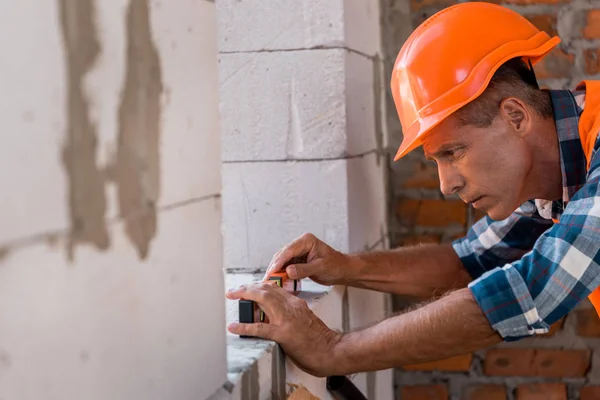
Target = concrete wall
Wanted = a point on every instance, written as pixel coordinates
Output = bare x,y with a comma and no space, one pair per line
110,250
570,353
301,92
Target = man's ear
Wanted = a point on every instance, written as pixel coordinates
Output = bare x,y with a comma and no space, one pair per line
516,114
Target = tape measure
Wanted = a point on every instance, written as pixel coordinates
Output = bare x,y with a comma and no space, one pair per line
250,312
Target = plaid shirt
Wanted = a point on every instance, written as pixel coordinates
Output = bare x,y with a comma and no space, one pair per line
529,272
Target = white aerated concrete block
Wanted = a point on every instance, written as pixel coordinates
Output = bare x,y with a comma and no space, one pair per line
253,363
36,114
384,384
366,307
255,25
360,104
34,120
273,25
296,105
191,146
360,381
112,326
366,202
362,26
266,205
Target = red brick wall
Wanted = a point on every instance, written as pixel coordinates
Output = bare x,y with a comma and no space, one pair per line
561,364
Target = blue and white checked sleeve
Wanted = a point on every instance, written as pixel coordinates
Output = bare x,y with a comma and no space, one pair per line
526,296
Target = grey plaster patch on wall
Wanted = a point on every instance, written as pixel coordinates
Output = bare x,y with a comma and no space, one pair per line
3,252
87,201
136,170
5,360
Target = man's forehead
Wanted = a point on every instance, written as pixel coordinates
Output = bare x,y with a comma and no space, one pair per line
443,135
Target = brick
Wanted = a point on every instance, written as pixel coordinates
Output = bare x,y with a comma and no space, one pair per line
590,393
537,362
541,391
562,363
509,362
425,176
460,363
431,212
555,328
418,239
290,24
485,392
424,392
592,61
293,98
527,2
454,237
545,22
417,5
591,29
587,323
557,64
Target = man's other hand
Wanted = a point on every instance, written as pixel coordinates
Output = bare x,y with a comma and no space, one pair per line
324,265
304,338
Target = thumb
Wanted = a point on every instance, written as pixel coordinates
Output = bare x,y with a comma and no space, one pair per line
301,271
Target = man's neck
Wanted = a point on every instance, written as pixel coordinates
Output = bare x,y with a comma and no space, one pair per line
545,178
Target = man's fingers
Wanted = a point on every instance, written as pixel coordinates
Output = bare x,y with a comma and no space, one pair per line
236,293
301,271
266,294
302,245
257,329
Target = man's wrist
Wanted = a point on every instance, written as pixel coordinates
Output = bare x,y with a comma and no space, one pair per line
354,271
340,359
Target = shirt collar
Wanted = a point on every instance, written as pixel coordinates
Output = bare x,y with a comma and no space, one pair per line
568,106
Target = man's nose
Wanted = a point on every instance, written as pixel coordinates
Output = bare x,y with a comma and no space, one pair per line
450,180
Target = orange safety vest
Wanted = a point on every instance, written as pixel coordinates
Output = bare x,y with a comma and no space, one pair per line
589,126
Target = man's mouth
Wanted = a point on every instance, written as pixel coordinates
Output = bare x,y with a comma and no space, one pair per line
475,200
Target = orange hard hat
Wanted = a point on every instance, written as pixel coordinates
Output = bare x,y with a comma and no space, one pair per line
450,58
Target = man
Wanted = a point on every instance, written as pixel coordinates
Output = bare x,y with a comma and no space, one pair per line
465,90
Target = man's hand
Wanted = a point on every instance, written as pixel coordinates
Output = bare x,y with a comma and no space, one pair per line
308,342
324,265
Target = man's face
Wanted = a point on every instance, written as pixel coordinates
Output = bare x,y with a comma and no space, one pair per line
484,166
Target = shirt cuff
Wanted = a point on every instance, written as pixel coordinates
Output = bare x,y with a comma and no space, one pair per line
506,302
465,252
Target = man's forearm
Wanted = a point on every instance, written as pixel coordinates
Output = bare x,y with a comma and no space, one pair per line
420,271
444,328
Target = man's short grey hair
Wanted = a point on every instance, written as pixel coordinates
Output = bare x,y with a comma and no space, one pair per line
508,81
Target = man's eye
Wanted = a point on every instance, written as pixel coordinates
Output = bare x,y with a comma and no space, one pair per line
454,152
448,153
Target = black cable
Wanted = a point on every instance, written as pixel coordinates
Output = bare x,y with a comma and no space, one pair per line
342,388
